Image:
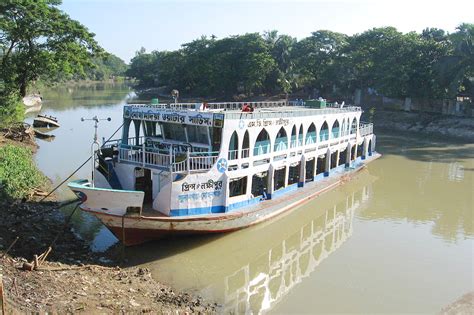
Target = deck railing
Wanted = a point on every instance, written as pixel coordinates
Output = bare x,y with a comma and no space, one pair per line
237,106
366,129
233,155
183,162
245,153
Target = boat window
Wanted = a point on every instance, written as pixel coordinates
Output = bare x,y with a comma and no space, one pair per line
354,126
238,186
311,134
300,136
281,141
259,184
279,178
197,134
136,135
324,132
246,145
348,126
335,129
353,152
293,142
294,173
262,145
174,132
321,164
216,137
126,132
309,169
333,159
234,146
152,129
342,157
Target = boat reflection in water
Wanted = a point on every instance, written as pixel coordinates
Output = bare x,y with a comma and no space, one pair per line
251,270
293,259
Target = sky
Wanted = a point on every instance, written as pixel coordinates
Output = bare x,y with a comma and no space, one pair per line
122,27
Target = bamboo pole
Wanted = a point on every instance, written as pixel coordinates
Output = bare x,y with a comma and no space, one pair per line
2,299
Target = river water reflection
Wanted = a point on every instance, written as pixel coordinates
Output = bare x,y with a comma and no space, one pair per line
398,238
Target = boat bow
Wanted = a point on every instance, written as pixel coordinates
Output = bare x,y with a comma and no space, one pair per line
110,201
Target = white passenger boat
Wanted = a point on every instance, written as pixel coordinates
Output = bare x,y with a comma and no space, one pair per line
218,167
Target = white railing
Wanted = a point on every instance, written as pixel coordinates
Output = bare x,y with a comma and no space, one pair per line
233,155
237,106
290,113
245,153
191,162
219,105
366,129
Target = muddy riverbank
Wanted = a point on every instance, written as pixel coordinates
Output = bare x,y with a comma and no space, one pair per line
73,279
423,123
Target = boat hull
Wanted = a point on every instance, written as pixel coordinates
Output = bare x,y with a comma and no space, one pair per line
135,229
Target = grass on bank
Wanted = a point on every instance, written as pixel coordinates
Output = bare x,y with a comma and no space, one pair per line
18,173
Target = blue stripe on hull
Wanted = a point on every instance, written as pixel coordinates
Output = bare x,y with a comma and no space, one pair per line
252,201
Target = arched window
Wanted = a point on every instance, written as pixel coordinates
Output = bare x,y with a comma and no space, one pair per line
294,141
348,126
354,126
246,146
300,136
262,144
311,135
335,129
343,128
234,146
324,132
281,141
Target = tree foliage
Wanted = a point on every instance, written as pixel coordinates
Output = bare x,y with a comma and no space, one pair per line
429,65
40,41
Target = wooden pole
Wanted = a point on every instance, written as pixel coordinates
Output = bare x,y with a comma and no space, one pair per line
2,299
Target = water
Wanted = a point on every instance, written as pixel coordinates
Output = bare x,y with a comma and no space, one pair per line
396,239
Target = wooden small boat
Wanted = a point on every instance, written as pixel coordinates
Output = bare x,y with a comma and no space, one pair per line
45,121
43,135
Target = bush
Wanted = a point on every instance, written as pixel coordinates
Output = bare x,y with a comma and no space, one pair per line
11,108
18,173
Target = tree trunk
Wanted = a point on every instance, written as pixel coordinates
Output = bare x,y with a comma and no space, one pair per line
23,86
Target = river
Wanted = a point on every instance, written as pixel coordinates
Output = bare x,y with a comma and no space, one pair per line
396,239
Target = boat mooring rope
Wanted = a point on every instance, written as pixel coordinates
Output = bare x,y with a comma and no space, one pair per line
39,259
77,169
45,254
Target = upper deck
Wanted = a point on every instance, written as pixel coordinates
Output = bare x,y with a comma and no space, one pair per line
211,113
185,137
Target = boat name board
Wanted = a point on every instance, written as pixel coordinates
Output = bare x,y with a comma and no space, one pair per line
189,118
268,122
210,184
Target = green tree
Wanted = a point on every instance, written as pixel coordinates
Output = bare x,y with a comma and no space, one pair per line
316,59
40,41
142,67
456,70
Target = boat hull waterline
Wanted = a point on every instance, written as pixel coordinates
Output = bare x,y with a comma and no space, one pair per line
134,229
